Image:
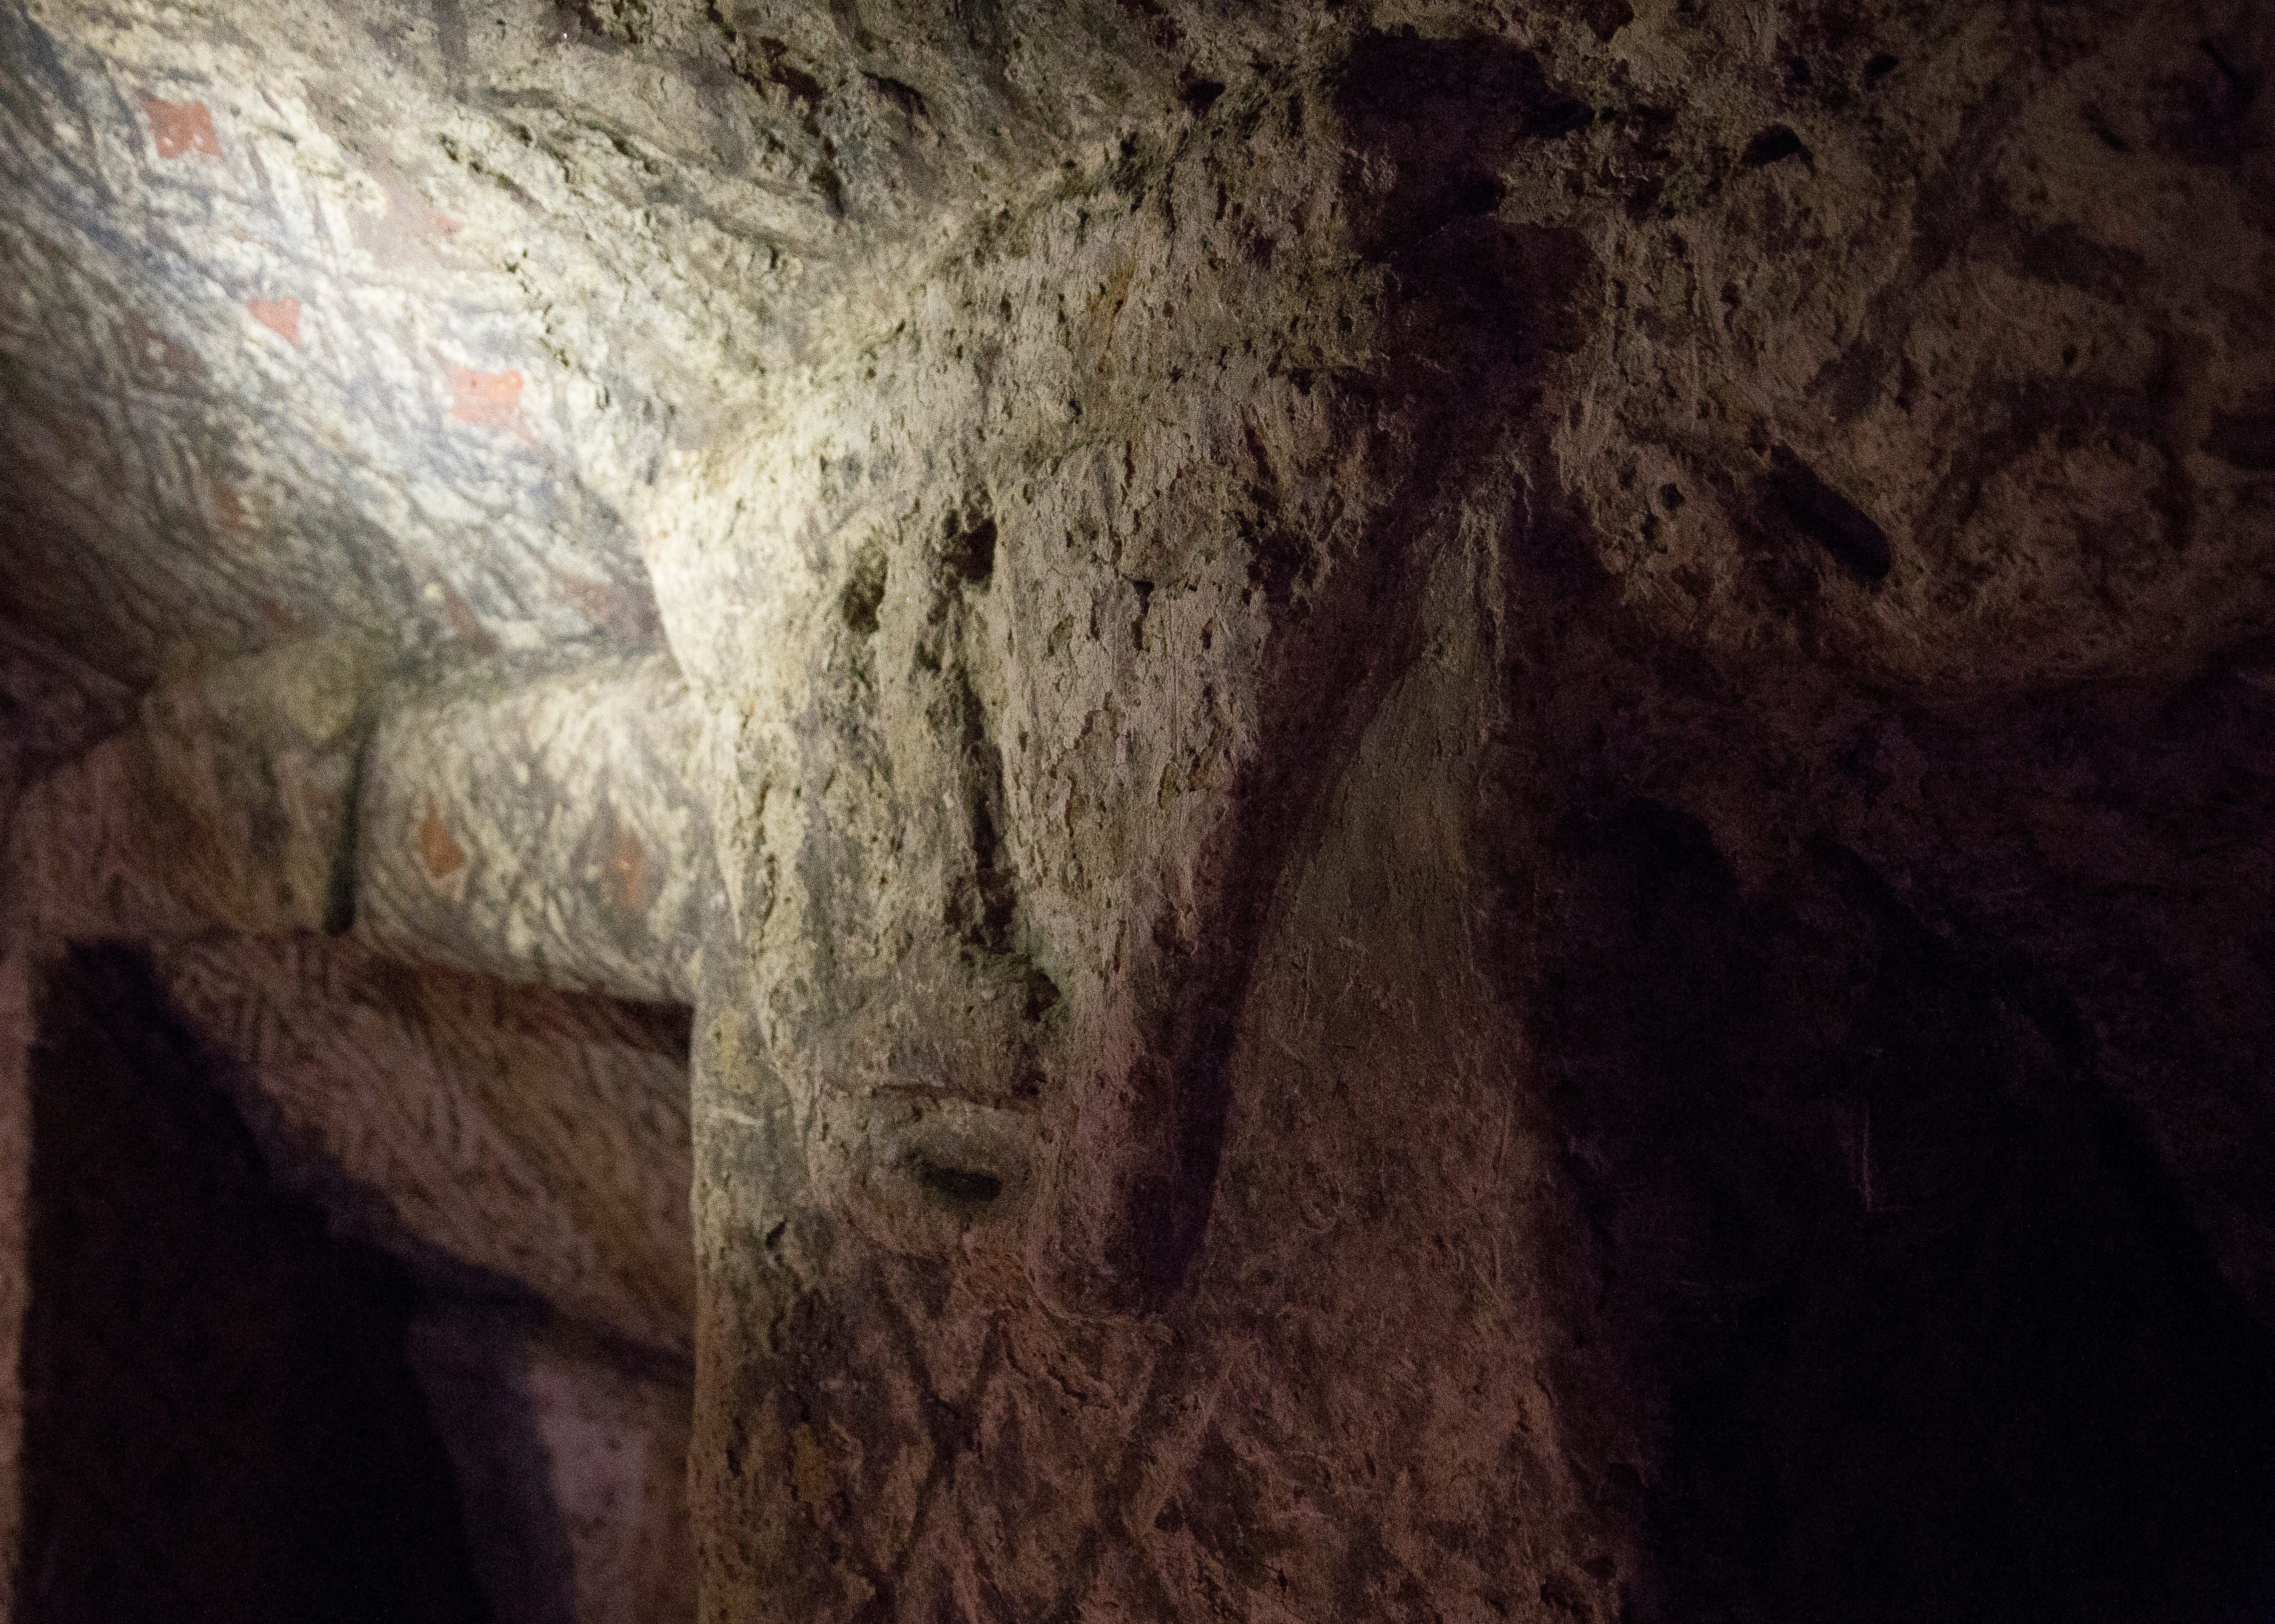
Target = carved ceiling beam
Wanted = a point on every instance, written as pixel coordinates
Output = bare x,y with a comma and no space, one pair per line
533,825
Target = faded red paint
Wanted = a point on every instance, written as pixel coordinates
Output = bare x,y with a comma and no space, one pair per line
407,230
157,359
628,874
281,621
487,399
228,509
280,316
599,600
622,612
179,128
437,847
464,624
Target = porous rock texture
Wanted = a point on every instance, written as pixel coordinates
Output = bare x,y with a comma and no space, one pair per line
1484,792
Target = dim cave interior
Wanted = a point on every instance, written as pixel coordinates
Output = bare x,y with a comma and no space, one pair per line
1063,811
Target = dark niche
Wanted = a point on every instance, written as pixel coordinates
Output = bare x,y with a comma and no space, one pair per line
219,1420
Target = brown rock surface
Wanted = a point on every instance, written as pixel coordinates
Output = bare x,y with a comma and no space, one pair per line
1483,796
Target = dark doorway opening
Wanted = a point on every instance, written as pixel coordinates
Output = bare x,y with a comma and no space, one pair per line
220,1419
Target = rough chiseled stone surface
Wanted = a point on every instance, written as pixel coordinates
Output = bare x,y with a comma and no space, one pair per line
528,1138
1483,794
571,1468
229,803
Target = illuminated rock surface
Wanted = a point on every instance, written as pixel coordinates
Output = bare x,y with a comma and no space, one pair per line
1467,811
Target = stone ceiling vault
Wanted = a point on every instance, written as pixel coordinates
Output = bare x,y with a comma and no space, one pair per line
1467,805
384,316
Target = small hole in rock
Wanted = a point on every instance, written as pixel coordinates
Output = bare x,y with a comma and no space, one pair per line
965,1186
1807,503
969,549
864,593
1773,145
1200,95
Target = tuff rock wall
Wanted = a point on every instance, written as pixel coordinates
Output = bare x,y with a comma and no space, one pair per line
352,1293
1466,808
1350,849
